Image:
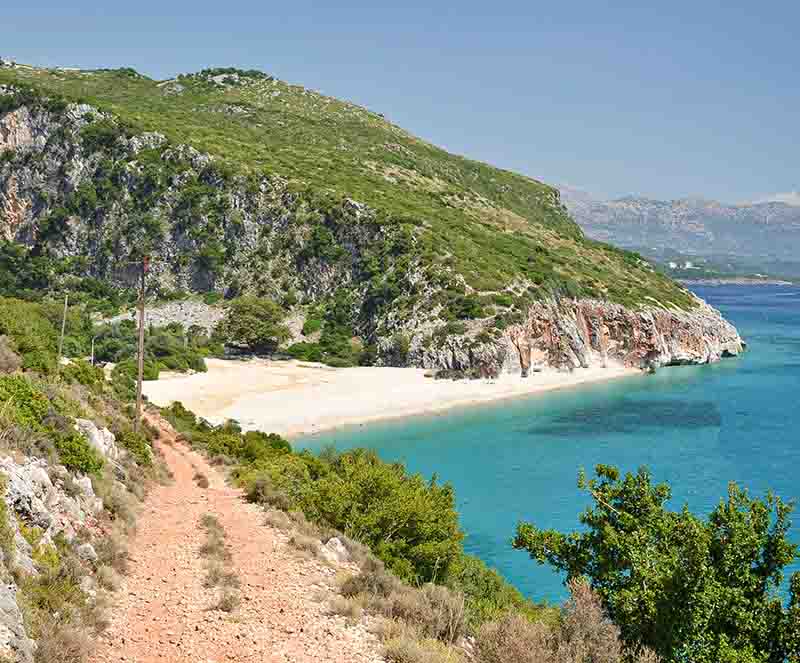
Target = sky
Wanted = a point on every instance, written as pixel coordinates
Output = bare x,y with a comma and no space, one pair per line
687,99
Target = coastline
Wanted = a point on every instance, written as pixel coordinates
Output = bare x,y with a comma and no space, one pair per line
295,398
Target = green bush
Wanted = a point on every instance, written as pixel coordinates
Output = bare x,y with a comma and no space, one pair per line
137,444
75,453
409,523
84,373
23,403
305,351
311,326
33,335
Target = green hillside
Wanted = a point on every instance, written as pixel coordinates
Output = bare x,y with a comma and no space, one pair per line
496,228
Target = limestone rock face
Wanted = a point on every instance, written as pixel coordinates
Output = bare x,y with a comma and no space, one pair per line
580,333
572,334
33,496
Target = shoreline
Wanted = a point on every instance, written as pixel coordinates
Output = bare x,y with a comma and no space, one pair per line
296,399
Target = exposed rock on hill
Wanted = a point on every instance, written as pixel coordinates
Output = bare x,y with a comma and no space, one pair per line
442,267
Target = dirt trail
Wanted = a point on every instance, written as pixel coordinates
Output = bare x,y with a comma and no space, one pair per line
164,612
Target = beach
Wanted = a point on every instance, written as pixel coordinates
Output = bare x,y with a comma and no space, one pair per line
296,398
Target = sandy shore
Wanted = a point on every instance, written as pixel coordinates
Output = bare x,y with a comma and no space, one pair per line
294,398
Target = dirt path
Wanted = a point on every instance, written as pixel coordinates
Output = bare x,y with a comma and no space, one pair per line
164,612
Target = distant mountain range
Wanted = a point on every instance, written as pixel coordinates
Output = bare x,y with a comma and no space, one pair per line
761,235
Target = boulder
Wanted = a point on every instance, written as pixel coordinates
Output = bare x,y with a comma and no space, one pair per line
334,551
101,439
87,552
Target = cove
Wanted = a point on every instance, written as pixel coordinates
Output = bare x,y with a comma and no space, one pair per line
695,427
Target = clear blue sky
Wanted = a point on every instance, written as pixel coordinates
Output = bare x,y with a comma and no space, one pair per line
694,97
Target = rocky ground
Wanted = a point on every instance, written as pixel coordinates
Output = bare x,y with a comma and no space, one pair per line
188,313
165,613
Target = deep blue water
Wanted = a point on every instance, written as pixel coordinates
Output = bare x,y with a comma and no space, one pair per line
696,427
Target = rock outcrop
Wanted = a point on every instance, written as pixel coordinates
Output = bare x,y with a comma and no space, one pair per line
48,502
570,334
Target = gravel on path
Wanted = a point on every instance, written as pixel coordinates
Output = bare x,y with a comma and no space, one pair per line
164,613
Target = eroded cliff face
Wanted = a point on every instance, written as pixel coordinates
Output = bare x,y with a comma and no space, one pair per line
582,333
571,334
74,186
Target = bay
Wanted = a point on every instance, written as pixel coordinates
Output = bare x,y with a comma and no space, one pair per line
695,427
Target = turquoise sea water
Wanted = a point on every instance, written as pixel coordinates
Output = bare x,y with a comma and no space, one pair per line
695,427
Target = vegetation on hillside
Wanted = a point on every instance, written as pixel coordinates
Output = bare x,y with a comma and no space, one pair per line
494,227
39,405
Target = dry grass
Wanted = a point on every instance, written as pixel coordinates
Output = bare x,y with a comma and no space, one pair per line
108,578
373,580
411,650
229,601
218,574
351,608
201,480
434,611
305,543
63,643
277,519
112,550
584,634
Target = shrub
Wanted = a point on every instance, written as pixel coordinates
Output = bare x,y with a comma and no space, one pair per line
373,580
34,337
311,326
410,523
433,610
487,595
23,403
513,639
137,444
662,574
305,351
84,373
77,454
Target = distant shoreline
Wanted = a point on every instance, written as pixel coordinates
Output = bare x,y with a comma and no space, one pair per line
735,281
296,398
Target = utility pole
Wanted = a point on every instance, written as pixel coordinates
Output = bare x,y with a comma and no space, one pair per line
63,329
136,421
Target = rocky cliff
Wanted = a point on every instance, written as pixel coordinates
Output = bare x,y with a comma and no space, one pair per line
57,539
81,189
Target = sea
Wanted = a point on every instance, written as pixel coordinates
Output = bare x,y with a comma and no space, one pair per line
696,428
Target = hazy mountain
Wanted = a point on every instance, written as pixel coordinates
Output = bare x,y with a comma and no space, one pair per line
766,231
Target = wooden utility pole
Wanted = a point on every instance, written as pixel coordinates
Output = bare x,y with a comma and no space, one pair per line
63,329
137,420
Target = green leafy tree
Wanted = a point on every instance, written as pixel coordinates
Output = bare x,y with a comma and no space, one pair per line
254,323
692,589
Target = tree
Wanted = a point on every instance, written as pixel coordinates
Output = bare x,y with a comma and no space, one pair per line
255,324
691,589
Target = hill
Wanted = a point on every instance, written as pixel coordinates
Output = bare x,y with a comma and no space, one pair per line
237,183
